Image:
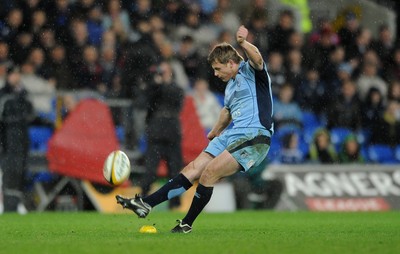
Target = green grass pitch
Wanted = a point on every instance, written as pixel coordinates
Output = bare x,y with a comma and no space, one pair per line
239,232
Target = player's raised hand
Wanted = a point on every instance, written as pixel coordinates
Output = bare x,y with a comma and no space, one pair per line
241,34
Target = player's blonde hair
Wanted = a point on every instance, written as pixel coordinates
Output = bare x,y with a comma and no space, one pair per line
224,52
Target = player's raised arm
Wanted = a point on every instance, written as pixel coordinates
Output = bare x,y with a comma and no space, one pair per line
251,51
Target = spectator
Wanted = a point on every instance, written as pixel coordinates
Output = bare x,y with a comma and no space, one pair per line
11,27
321,149
81,8
91,72
318,55
384,45
312,94
392,68
258,28
109,40
136,74
211,30
350,151
39,20
167,53
41,91
394,91
361,45
139,10
369,78
345,109
287,113
277,71
37,59
323,25
79,40
6,7
94,26
389,132
5,58
296,42
247,11
329,72
117,19
344,73
372,110
59,15
349,31
15,115
295,71
279,36
191,59
47,40
173,13
157,24
207,105
108,63
207,6
29,7
202,34
291,152
230,20
60,72
20,50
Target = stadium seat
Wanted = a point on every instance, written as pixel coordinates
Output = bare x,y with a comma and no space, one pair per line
363,136
338,135
397,153
274,149
310,120
220,98
120,132
364,153
310,124
308,134
381,153
39,136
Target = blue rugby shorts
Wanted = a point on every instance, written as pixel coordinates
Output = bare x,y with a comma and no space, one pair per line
248,146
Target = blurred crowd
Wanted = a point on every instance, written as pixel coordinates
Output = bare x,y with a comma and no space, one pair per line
332,78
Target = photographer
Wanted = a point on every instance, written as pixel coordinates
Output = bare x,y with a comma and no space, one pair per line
163,129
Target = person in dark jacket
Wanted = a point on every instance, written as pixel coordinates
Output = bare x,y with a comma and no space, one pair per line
163,129
16,112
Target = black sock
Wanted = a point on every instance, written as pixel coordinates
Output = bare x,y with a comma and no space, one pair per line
200,200
175,187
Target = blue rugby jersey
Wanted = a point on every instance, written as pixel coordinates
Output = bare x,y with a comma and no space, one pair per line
248,98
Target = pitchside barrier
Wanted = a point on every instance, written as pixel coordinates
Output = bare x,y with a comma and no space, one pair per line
337,187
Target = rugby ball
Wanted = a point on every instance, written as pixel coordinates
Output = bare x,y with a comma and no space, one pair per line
117,167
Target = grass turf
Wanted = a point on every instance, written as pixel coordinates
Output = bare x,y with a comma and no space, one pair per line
239,232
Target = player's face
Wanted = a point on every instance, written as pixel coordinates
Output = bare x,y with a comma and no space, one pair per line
223,71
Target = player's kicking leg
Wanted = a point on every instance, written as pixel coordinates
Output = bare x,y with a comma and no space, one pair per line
173,188
223,165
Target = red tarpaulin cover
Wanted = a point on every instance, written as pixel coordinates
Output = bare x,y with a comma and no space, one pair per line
79,148
194,138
